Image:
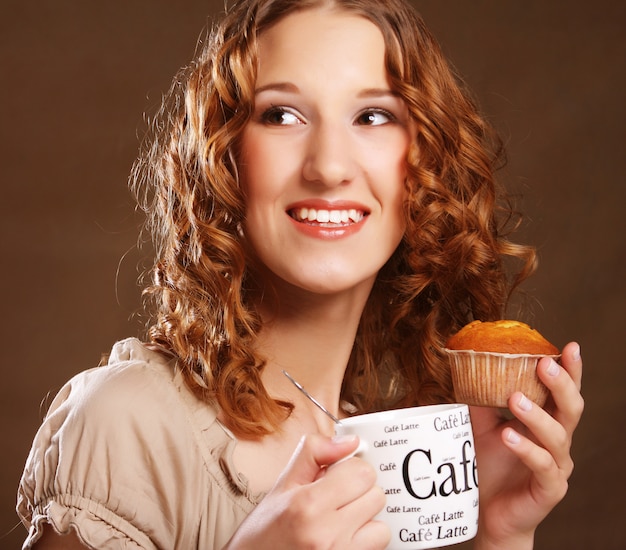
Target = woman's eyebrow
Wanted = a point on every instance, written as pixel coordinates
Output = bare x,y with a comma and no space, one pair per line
378,92
277,87
292,88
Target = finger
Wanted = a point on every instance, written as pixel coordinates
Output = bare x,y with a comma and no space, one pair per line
369,503
571,360
549,483
546,430
372,536
358,517
564,388
313,454
348,481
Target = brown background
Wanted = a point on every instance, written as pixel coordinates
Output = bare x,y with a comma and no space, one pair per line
77,76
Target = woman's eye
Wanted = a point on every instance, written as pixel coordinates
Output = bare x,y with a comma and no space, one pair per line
374,117
279,116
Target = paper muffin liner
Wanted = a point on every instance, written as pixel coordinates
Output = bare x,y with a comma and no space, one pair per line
489,379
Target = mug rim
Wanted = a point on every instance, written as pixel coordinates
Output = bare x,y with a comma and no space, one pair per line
398,414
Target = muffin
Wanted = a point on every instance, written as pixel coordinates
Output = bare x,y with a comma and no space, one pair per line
492,360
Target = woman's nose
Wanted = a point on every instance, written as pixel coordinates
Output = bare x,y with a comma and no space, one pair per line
330,157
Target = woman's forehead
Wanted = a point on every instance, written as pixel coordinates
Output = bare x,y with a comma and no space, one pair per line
320,44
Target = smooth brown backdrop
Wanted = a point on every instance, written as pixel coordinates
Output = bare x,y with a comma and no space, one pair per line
77,76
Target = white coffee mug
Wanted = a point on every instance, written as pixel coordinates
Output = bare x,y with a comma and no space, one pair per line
426,464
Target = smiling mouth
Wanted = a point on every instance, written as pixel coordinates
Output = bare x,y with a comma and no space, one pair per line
327,217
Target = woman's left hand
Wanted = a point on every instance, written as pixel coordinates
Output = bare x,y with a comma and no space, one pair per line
524,464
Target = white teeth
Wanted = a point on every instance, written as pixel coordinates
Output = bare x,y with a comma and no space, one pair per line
328,216
323,216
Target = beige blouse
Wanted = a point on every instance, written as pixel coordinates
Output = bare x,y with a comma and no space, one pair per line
130,458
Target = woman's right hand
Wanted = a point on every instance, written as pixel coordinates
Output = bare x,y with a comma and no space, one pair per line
318,502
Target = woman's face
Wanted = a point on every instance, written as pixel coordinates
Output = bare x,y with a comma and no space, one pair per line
323,158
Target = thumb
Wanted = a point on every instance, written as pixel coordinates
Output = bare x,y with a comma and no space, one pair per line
313,454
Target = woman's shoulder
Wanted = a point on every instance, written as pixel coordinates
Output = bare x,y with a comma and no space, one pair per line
134,378
132,385
130,367
120,444
138,401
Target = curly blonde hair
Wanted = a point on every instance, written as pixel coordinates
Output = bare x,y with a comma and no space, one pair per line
448,269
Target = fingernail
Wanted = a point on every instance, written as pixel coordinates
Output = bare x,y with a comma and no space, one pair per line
524,403
553,369
576,353
343,438
512,437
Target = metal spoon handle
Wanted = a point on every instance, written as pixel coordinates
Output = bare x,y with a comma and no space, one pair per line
315,401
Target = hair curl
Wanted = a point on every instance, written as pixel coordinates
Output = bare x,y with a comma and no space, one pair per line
448,269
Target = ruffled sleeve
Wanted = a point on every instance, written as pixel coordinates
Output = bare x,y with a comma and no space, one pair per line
111,461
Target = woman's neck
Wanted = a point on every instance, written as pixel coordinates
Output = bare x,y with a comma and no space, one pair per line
311,337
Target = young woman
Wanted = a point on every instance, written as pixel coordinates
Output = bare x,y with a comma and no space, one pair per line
322,200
